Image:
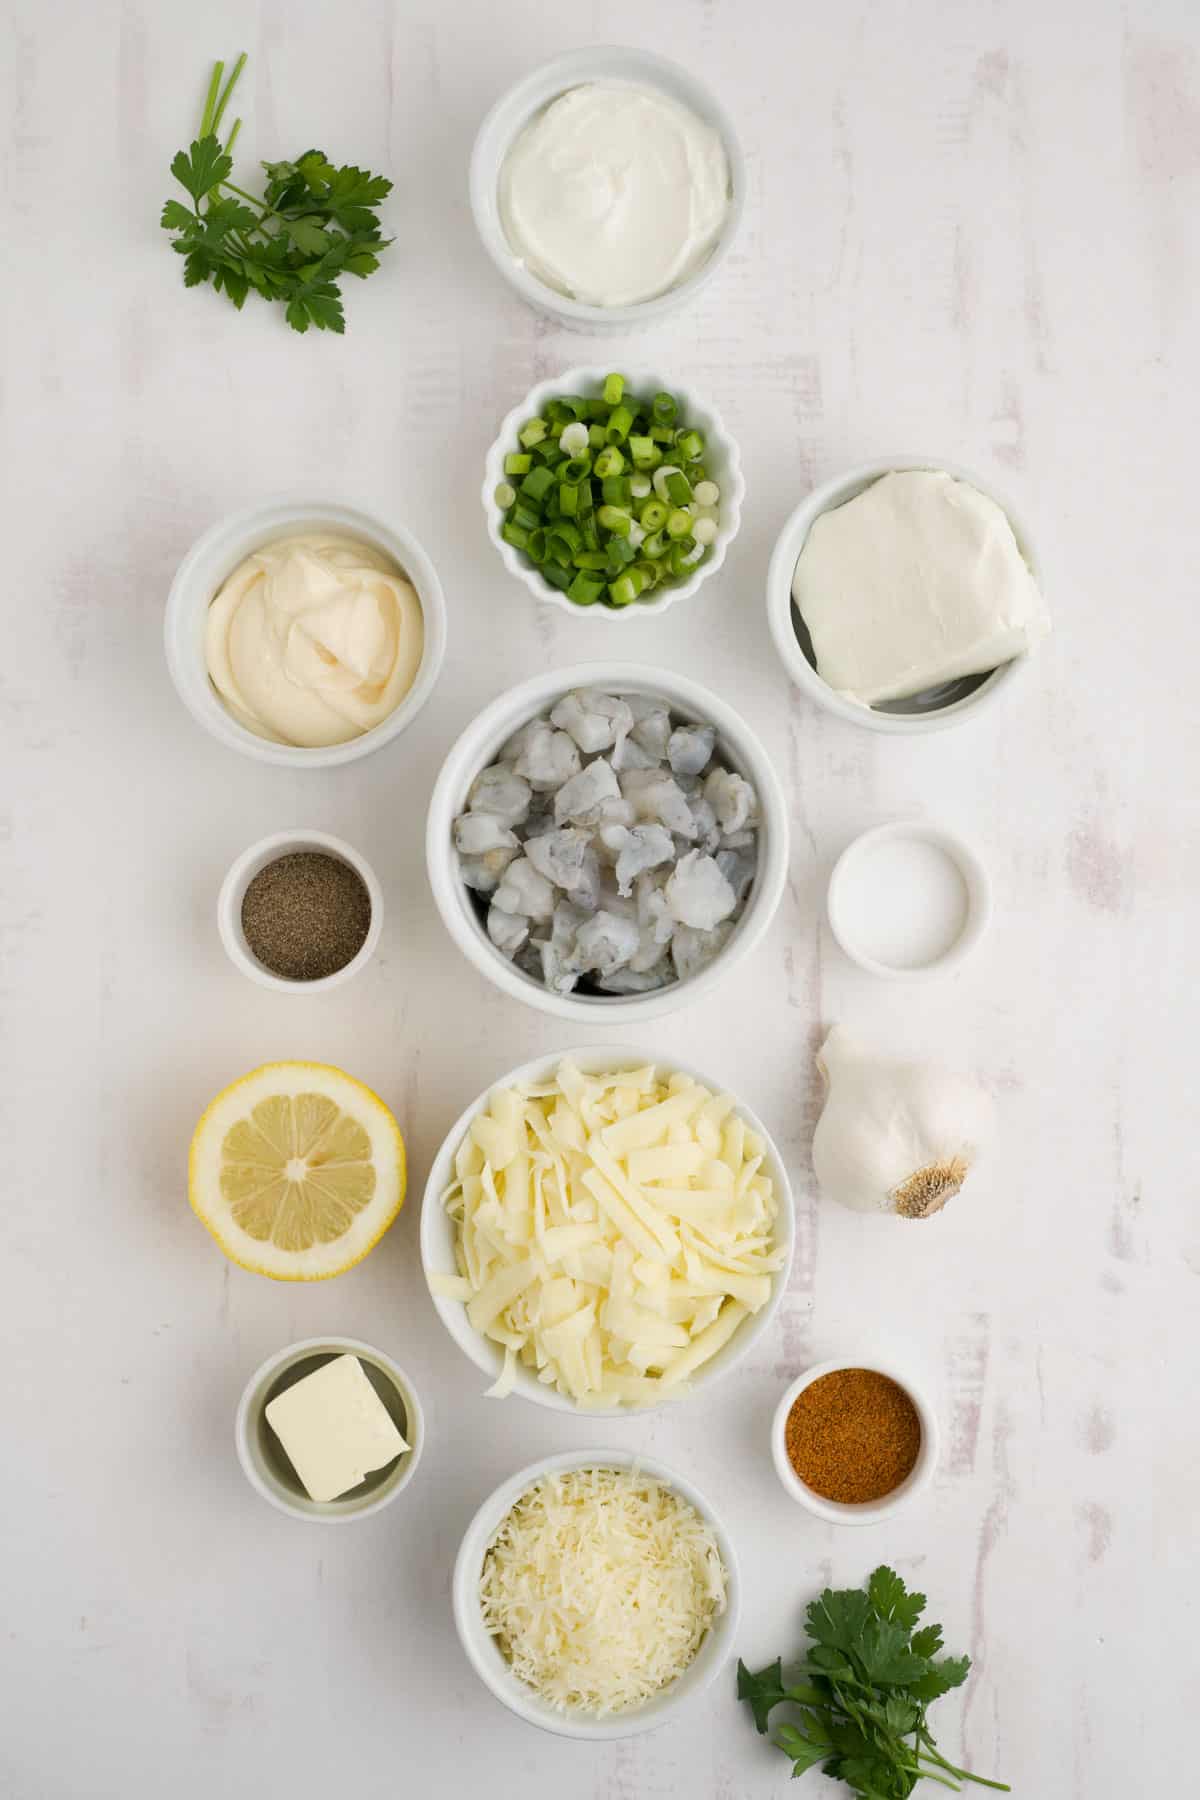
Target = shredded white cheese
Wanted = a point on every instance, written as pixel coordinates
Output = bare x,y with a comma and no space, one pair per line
613,1231
599,1587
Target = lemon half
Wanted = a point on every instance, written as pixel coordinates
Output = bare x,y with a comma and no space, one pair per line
297,1170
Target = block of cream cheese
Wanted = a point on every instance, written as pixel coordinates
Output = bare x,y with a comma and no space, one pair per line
917,581
334,1428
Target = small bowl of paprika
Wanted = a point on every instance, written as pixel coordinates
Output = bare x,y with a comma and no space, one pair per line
854,1442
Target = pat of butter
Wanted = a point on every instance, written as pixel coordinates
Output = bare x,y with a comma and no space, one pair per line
917,581
334,1428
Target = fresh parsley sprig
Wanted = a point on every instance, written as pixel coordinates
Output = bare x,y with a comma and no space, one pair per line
858,1701
313,223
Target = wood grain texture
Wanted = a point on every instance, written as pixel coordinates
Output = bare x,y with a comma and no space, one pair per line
974,230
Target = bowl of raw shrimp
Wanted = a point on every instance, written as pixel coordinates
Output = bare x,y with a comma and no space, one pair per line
606,842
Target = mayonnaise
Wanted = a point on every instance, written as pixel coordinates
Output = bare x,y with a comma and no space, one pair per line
614,194
917,581
314,639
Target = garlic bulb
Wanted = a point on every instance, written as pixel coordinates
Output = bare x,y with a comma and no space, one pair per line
895,1137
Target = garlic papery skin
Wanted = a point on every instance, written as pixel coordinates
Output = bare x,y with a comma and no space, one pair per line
896,1137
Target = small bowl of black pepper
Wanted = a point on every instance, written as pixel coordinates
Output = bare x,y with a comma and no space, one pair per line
300,911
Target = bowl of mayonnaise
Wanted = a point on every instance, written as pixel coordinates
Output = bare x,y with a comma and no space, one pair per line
607,187
304,633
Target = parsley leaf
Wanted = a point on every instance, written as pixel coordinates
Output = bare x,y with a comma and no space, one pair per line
868,1677
315,222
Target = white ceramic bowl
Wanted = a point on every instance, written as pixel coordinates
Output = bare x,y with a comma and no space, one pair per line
721,459
214,557
513,111
852,871
242,873
438,1233
934,710
487,1659
873,1512
266,1467
477,747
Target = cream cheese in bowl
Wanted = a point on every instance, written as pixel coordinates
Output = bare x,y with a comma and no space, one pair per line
614,193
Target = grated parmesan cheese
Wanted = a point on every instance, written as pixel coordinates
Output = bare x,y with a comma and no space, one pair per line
613,1231
599,1586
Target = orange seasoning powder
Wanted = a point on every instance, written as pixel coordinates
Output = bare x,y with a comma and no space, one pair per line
853,1436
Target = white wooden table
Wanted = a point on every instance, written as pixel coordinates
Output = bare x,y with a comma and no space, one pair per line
972,231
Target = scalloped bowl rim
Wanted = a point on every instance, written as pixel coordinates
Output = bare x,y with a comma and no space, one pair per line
733,488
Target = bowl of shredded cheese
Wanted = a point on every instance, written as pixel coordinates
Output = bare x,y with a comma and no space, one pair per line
596,1592
604,1233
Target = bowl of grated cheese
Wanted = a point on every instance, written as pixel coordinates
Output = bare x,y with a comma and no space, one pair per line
601,1233
596,1592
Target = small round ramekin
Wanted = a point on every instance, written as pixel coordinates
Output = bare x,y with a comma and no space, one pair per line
268,1470
249,864
513,111
214,557
962,699
721,458
975,880
871,1512
486,1657
438,1233
477,747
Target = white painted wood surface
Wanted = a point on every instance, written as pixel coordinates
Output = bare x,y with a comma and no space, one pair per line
973,231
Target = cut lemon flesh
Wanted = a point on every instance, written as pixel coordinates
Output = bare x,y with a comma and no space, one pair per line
297,1170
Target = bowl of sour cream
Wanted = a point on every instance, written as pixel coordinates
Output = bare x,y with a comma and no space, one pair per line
305,634
607,187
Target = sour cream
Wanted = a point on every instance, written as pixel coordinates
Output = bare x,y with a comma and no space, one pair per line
314,639
614,194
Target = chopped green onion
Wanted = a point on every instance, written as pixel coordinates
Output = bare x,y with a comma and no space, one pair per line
626,588
609,462
592,559
664,409
565,539
614,388
568,498
596,437
578,469
654,514
679,523
526,516
616,491
504,495
614,518
617,429
558,574
683,556
574,438
644,451
532,433
514,535
705,531
662,434
549,453
517,463
585,590
660,478
590,530
706,493
537,483
640,486
620,552
655,545
679,488
650,571
535,547
695,472
690,445
595,411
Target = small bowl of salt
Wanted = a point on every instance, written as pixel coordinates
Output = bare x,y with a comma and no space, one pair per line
909,899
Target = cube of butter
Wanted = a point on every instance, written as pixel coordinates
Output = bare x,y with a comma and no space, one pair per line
334,1428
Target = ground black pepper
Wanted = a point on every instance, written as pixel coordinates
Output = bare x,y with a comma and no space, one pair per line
306,915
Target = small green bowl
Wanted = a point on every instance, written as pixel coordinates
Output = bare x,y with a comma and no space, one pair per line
267,1467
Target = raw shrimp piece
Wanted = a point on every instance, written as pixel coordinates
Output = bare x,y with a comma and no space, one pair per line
548,759
658,800
529,957
697,893
596,721
731,798
483,873
612,810
557,972
738,869
638,981
507,930
576,798
646,847
738,840
693,950
524,891
561,856
477,833
520,740
708,832
629,754
604,943
690,748
653,727
500,790
652,911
